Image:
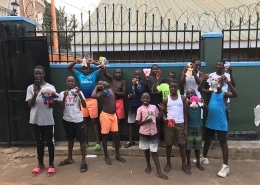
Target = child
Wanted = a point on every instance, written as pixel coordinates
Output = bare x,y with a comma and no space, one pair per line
176,127
41,120
194,138
163,88
108,118
87,82
146,117
217,121
70,101
153,81
119,88
137,88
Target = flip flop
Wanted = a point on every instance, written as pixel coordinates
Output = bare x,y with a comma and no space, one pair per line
36,171
65,162
83,167
98,147
50,172
129,144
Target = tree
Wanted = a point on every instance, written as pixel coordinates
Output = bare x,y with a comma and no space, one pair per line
66,25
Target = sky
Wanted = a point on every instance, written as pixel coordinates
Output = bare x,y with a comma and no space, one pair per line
75,7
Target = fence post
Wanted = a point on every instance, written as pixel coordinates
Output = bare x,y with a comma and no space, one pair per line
211,49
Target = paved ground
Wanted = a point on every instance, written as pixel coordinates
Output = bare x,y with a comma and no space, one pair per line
16,165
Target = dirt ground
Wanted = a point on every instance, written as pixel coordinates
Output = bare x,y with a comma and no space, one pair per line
17,170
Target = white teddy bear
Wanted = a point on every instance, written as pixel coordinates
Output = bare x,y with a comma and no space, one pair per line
214,84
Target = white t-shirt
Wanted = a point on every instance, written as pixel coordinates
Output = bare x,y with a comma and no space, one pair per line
72,111
190,82
225,85
40,113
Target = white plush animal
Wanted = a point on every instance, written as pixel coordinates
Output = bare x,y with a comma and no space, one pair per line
214,84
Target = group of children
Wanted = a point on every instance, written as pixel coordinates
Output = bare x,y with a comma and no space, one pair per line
156,106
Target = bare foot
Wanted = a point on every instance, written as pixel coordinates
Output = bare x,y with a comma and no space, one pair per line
167,168
161,175
186,170
120,159
199,166
148,169
108,160
189,166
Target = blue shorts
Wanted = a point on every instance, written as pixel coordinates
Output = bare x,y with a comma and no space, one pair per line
148,142
74,130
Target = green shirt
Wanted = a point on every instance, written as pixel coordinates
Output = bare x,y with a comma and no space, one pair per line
165,90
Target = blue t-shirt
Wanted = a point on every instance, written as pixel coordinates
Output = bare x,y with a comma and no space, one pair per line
87,82
217,119
136,94
194,119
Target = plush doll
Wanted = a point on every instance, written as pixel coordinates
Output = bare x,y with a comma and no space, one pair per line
48,96
150,116
189,70
171,122
103,62
213,84
147,71
194,101
84,62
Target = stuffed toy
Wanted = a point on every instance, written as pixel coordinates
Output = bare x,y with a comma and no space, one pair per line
171,122
150,116
48,96
103,62
189,70
213,84
147,71
107,93
84,62
194,101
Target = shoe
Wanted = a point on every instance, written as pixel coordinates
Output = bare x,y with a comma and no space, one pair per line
224,171
203,160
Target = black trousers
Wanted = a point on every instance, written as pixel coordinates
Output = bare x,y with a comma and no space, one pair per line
41,134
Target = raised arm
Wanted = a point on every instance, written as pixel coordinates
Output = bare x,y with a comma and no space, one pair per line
183,76
233,91
72,64
231,77
201,84
107,75
97,93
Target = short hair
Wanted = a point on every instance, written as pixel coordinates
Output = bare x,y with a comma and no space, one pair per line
171,73
154,65
39,67
174,81
223,61
194,60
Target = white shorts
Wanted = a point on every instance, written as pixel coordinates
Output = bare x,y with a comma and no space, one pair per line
148,142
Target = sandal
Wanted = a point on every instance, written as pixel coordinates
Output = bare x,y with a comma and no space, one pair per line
65,162
129,144
98,147
50,172
36,171
83,167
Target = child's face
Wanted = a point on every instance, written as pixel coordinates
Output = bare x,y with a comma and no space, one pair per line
173,88
85,70
38,74
145,99
71,82
138,74
171,77
118,74
154,69
197,65
190,93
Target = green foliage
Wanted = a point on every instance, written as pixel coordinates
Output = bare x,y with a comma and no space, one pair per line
66,25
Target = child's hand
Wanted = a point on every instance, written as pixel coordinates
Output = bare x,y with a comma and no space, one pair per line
100,87
78,60
66,93
35,89
77,90
205,77
184,134
129,96
224,78
161,107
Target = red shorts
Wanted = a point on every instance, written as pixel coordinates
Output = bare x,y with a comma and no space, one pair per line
120,111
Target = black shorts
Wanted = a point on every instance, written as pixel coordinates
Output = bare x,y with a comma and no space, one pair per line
74,130
209,133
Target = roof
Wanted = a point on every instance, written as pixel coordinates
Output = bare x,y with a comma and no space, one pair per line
202,15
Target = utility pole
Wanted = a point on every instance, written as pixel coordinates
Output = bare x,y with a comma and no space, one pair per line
54,28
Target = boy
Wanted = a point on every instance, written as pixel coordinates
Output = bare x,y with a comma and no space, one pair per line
194,137
176,127
41,120
163,88
70,101
119,88
108,118
137,88
217,120
87,82
146,117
